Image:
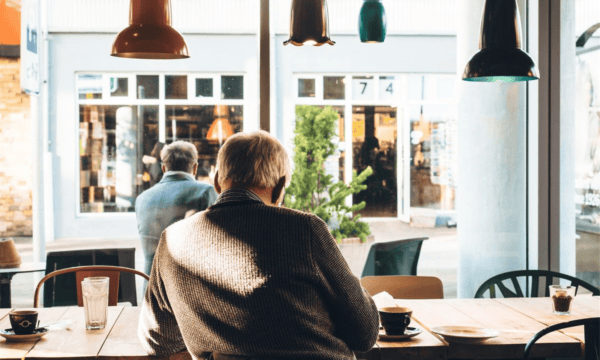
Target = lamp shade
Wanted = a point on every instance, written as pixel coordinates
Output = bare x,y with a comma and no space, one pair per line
500,58
372,22
150,35
219,130
9,257
309,23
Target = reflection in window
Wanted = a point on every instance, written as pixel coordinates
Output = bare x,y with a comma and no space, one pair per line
232,87
374,144
89,86
334,88
176,87
147,86
306,88
204,87
119,87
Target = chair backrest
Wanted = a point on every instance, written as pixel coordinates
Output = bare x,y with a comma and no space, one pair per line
405,287
399,257
591,336
82,272
67,296
532,280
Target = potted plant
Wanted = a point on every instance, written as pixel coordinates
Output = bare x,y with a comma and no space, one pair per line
312,189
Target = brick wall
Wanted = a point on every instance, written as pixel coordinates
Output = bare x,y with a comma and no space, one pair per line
16,170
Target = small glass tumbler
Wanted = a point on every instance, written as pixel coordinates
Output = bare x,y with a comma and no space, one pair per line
95,302
562,296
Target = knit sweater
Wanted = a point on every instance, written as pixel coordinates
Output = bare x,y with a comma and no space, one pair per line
244,278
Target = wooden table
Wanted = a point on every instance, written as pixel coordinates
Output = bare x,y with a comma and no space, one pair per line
6,275
516,320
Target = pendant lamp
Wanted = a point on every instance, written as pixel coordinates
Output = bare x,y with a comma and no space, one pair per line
150,35
372,22
309,23
219,130
500,58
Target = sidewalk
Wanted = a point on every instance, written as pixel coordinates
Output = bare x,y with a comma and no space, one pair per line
438,255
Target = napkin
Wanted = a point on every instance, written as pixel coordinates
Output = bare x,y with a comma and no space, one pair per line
384,299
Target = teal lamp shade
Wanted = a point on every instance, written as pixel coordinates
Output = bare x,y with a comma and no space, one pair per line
372,22
500,58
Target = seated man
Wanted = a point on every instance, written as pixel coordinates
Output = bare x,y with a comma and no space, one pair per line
247,278
177,194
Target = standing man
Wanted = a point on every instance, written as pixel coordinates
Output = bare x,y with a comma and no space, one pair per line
178,194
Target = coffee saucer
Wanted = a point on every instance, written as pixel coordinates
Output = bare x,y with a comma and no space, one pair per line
10,335
408,333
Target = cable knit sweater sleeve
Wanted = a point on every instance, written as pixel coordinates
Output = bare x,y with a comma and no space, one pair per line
353,311
158,331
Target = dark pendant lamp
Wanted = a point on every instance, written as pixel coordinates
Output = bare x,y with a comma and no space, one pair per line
372,22
309,23
500,58
150,35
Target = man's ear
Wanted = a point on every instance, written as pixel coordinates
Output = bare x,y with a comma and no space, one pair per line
163,167
278,190
195,169
217,185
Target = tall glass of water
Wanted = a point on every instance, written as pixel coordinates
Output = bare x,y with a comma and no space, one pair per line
95,302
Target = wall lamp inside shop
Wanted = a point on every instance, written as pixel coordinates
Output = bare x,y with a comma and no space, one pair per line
500,58
372,22
150,35
309,23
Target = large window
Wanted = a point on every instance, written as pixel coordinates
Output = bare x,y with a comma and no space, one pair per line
126,119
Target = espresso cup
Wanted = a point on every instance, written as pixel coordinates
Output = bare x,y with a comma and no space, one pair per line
395,320
23,322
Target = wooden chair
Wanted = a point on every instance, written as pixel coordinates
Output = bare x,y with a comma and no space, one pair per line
530,277
591,328
59,290
405,287
399,257
82,272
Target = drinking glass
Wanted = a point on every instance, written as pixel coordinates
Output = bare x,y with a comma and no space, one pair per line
562,296
95,302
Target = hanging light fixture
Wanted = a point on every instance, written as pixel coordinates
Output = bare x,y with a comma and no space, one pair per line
150,35
500,58
372,22
220,130
309,23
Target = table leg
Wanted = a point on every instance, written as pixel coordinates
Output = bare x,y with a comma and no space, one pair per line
5,299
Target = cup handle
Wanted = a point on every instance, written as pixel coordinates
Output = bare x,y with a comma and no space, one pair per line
406,321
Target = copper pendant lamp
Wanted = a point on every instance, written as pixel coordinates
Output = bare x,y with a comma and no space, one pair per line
500,58
309,23
150,35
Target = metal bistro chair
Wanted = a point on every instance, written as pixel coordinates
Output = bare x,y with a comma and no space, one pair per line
82,272
532,277
405,287
399,257
591,334
60,291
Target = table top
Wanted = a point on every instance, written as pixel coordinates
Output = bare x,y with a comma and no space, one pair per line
24,268
517,320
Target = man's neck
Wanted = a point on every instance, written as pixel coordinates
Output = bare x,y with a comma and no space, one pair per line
263,194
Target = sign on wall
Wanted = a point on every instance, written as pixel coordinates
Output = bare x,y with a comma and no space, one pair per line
30,46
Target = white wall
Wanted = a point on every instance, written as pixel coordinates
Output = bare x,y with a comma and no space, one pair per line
71,53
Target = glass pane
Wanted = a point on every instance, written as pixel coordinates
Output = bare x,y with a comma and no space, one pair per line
232,87
306,88
176,87
207,127
111,149
388,89
119,87
89,86
374,144
334,88
147,86
204,87
433,150
363,88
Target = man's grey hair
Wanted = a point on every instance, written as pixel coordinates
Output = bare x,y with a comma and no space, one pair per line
255,159
179,156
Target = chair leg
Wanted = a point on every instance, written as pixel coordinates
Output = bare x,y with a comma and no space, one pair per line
592,342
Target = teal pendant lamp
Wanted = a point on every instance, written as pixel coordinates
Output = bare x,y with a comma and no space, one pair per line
309,23
500,58
372,22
